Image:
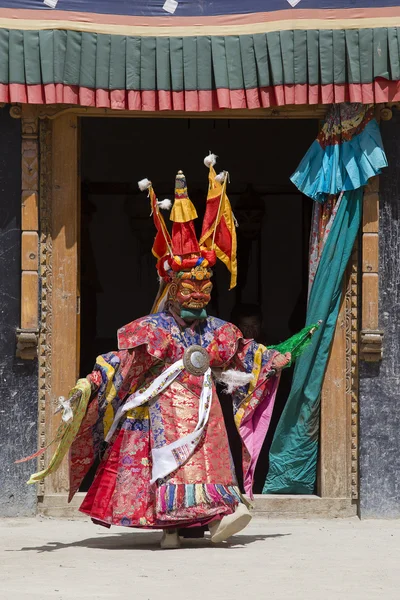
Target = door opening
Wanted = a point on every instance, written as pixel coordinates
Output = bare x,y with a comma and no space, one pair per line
118,277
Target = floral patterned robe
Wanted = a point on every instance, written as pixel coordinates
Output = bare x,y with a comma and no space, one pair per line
204,487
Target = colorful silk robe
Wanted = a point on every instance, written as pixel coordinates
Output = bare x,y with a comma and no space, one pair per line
203,487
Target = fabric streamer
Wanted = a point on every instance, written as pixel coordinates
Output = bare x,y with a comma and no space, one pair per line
67,430
297,343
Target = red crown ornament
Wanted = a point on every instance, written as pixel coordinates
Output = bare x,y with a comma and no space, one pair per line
181,255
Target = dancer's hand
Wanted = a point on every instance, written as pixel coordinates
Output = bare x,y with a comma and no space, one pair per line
95,380
281,360
65,405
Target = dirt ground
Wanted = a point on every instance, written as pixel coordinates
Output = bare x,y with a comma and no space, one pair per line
273,559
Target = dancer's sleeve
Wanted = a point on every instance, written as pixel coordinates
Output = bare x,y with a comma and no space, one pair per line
95,399
253,403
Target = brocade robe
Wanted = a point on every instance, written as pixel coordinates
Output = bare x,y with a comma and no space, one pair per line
203,487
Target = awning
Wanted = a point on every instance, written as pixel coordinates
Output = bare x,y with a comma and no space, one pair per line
205,62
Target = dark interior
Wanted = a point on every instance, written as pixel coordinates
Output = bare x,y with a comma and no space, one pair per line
118,276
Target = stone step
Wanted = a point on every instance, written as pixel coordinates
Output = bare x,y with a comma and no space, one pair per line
264,506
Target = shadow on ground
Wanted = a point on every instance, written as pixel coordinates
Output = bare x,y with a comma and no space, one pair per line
146,541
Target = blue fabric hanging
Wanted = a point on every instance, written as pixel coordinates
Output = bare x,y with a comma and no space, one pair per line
347,152
294,450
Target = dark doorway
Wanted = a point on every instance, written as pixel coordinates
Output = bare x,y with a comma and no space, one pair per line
118,277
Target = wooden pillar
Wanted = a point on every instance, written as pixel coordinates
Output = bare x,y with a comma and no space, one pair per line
371,336
338,464
334,439
27,334
64,219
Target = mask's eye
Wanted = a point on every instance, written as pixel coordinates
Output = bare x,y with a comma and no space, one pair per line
186,290
207,288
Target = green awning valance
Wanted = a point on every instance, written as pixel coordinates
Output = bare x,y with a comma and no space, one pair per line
284,67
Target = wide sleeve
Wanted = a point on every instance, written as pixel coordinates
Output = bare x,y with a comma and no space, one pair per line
253,403
114,375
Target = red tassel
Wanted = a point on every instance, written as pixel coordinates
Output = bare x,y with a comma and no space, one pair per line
38,453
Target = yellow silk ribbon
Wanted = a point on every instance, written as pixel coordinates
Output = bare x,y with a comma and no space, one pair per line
257,363
110,393
66,432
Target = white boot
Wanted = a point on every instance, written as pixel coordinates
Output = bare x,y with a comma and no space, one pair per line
170,539
230,524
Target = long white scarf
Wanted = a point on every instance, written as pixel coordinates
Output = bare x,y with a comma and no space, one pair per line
171,456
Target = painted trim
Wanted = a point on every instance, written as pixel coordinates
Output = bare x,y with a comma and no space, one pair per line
202,101
252,23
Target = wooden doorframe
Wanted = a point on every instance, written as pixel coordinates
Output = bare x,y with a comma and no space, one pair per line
338,450
58,148
59,238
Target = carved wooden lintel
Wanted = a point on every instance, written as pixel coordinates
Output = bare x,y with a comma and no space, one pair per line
27,343
386,113
371,345
16,111
54,111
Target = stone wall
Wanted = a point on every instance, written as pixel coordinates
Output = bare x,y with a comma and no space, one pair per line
380,382
18,379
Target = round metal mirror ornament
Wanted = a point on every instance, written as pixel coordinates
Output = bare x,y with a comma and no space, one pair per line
196,360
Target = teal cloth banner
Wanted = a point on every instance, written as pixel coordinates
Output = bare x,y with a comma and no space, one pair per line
294,450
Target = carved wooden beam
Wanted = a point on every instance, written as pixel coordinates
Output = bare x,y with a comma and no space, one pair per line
28,333
295,111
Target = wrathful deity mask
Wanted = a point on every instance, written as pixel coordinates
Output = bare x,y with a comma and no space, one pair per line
194,294
190,297
189,291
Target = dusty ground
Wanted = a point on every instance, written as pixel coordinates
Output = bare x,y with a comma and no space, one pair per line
275,560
